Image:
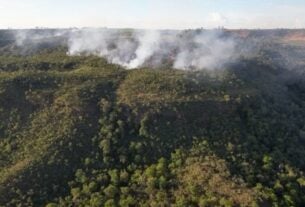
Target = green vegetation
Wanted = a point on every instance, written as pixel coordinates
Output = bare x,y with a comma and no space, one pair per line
77,131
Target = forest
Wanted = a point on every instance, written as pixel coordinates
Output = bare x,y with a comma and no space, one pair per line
79,130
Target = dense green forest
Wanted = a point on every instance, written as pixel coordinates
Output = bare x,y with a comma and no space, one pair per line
79,131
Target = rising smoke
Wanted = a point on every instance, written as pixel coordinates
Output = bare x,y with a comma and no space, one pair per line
186,50
193,49
138,48
31,41
36,36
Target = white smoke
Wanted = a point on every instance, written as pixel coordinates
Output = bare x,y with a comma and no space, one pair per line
205,51
36,36
20,37
148,45
119,47
191,49
137,48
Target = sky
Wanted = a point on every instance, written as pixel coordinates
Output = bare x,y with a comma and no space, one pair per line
153,14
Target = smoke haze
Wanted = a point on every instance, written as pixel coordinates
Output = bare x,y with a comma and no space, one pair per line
140,48
180,49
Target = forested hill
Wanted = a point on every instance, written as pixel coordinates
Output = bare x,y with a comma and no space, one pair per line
79,131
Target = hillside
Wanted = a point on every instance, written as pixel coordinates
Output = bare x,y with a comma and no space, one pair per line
80,131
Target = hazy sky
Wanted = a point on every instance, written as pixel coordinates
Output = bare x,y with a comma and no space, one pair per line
161,14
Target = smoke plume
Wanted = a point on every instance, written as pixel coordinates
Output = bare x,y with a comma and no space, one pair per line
25,37
139,48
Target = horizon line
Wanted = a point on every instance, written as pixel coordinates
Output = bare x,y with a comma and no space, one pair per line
142,28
